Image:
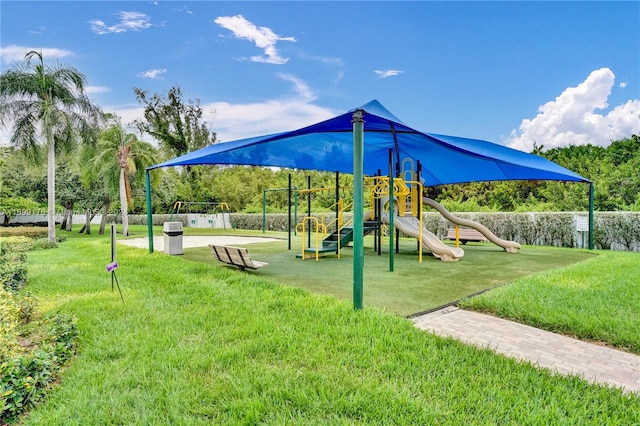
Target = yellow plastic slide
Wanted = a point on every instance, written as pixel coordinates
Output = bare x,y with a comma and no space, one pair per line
411,226
508,246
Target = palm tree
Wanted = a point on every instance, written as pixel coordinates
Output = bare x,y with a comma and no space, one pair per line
120,155
46,105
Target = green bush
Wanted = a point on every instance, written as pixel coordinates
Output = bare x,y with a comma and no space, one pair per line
12,206
24,231
27,305
13,271
44,243
275,222
9,322
612,230
19,244
30,352
24,378
61,337
279,221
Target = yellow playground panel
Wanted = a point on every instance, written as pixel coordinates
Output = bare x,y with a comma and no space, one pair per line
406,217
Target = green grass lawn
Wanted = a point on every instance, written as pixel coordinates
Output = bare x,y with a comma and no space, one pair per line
198,343
598,299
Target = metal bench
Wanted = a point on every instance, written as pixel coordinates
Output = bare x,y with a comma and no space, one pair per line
465,235
236,256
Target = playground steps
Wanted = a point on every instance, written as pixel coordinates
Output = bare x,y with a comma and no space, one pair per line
331,242
346,235
321,251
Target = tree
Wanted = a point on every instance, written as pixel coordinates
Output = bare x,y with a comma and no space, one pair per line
47,105
69,191
177,126
120,155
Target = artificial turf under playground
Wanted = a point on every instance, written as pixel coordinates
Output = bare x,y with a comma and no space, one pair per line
411,287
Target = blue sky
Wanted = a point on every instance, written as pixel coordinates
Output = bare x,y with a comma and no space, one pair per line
558,73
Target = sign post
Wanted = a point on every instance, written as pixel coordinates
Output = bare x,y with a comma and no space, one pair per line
111,267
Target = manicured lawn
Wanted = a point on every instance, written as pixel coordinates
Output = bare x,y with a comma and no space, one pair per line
598,299
197,343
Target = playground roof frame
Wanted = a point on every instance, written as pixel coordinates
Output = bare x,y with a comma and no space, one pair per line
328,146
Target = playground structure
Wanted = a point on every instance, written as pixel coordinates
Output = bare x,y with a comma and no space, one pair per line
337,144
404,216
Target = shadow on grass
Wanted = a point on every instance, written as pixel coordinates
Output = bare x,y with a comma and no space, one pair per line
412,287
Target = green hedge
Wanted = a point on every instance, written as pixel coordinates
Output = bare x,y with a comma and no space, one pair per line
24,231
32,350
612,230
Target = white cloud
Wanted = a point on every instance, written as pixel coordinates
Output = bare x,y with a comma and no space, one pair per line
238,121
572,118
185,9
39,31
14,53
323,59
129,21
96,89
623,84
388,73
262,37
153,74
300,86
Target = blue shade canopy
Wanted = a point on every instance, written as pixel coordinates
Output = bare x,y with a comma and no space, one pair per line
328,146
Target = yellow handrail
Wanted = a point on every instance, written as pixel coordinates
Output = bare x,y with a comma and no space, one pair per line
318,226
408,194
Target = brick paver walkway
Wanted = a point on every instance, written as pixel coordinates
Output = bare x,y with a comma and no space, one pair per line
558,353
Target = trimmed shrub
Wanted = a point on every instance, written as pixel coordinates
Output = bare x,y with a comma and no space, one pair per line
44,244
24,377
13,271
31,352
24,231
16,244
9,322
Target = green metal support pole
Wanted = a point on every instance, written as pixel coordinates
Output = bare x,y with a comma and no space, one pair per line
295,209
289,211
149,214
391,214
264,211
358,207
590,215
309,209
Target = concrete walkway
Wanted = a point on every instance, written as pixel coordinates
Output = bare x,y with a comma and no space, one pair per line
555,352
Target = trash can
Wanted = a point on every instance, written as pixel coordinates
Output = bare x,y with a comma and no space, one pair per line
172,237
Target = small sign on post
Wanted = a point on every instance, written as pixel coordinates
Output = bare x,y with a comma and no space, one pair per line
582,226
111,267
582,223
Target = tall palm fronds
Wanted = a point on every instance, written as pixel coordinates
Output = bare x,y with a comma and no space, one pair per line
119,156
46,105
